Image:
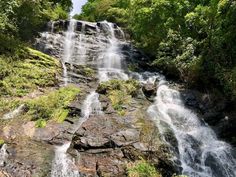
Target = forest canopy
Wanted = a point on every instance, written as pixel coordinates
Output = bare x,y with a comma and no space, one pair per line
21,19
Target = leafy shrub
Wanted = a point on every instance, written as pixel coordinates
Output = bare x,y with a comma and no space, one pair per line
119,99
131,86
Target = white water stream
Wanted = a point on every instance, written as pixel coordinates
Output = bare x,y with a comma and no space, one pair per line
110,59
200,152
69,46
3,155
63,165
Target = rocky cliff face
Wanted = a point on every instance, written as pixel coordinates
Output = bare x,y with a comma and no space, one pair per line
91,42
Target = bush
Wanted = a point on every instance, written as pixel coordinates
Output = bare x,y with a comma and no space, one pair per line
131,86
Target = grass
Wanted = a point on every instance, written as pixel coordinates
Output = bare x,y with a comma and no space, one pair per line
119,92
142,169
1,142
52,106
40,123
8,104
27,71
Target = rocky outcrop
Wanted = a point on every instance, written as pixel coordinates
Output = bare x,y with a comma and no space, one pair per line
106,143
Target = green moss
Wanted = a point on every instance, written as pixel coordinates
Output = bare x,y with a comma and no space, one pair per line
1,142
130,87
142,169
41,123
119,92
88,71
52,106
27,71
8,104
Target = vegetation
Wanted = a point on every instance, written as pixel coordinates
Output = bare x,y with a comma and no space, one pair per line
27,71
21,74
21,19
52,106
119,92
1,142
191,40
142,169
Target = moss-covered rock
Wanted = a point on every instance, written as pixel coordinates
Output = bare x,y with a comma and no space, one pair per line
52,106
27,71
119,92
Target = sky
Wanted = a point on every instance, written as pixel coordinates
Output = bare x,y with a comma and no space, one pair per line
77,4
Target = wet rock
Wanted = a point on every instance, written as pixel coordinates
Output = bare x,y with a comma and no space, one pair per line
126,137
107,142
149,90
94,40
104,102
19,163
214,110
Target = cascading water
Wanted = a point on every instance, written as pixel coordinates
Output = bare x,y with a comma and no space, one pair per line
14,113
81,51
69,46
91,106
110,60
63,165
200,152
3,154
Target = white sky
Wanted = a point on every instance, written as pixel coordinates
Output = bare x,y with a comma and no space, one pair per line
77,5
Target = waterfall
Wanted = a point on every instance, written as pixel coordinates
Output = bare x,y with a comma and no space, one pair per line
82,46
63,165
110,60
69,45
91,106
14,113
200,152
